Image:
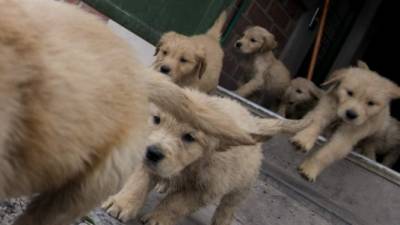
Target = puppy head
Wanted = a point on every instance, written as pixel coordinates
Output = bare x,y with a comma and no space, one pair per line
301,91
361,93
256,40
172,146
178,57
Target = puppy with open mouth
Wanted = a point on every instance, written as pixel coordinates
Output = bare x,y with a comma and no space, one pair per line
359,99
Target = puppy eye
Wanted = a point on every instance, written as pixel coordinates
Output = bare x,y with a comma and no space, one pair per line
299,91
253,40
350,93
371,103
156,120
183,60
164,52
187,137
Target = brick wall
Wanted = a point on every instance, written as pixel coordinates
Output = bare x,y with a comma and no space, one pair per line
277,16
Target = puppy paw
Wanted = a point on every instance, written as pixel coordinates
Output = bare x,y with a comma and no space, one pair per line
155,219
119,209
309,170
301,144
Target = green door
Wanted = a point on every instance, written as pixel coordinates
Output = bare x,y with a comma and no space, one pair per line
150,18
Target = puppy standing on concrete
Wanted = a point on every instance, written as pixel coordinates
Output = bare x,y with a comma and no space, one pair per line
74,109
300,97
195,61
359,99
267,74
199,168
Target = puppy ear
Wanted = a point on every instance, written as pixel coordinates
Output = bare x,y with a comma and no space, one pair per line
334,79
269,43
201,64
164,38
361,64
395,93
315,91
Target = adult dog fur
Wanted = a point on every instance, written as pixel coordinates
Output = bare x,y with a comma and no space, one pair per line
267,74
195,61
74,106
300,97
199,168
359,99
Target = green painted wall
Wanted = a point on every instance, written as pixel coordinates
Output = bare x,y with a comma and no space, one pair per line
150,18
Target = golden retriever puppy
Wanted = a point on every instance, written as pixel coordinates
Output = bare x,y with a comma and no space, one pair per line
198,168
359,100
384,143
195,61
267,73
300,97
74,108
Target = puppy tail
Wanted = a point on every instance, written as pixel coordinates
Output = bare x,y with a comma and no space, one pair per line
216,30
267,128
182,104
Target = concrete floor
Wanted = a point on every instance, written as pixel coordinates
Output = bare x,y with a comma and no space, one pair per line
344,194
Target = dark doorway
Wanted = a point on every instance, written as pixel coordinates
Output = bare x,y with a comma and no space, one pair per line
381,46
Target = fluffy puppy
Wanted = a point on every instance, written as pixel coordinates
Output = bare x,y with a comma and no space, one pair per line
359,99
199,168
194,61
267,74
74,106
385,143
300,97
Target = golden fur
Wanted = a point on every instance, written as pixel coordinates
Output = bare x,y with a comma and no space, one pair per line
300,97
267,73
199,169
359,99
74,106
385,143
194,61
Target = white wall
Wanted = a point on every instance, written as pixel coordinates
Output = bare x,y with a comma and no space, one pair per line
143,49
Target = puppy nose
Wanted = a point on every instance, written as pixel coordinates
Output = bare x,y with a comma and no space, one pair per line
154,154
165,69
238,44
351,114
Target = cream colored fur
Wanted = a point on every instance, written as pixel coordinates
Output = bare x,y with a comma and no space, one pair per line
74,106
356,91
267,73
197,172
194,61
300,97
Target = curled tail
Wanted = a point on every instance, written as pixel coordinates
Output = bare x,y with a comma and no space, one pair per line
183,105
216,29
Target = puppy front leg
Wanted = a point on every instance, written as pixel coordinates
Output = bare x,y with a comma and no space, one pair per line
173,207
323,115
253,85
369,151
226,209
125,205
390,159
338,147
282,109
